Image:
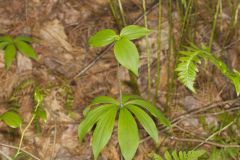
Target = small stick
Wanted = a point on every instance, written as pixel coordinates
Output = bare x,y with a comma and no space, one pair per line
206,142
5,155
14,147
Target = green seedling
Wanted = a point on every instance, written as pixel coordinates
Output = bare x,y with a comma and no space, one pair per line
38,113
104,115
11,45
125,50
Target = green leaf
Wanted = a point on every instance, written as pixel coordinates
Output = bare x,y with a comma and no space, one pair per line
6,39
152,109
128,137
127,55
12,119
103,131
41,114
167,155
145,120
132,32
102,38
215,154
26,49
175,155
104,100
24,38
9,55
3,44
236,81
91,118
127,97
38,96
187,68
194,155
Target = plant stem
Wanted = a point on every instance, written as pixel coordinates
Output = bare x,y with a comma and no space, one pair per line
214,134
170,58
233,24
119,84
214,24
149,60
186,20
24,131
159,50
122,13
121,22
115,11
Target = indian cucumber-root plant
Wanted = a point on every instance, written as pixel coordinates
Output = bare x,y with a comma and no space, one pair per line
125,50
11,45
104,116
187,66
128,107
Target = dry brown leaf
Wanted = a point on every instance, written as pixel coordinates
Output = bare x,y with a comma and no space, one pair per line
53,33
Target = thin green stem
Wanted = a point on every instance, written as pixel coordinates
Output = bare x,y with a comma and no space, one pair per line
149,55
24,131
214,24
118,14
234,22
115,11
170,56
186,20
122,12
214,134
119,84
159,50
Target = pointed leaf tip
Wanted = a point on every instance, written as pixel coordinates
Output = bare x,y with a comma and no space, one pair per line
102,38
128,137
132,32
127,54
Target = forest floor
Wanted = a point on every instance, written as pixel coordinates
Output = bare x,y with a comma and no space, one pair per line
68,69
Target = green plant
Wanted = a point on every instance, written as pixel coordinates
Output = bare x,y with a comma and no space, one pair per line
128,107
181,155
104,116
11,45
224,153
12,119
187,66
38,113
125,50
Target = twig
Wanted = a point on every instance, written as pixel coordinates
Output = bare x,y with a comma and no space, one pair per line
54,141
5,155
14,147
178,119
214,134
206,142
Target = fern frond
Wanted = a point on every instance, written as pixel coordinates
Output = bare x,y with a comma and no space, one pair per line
236,81
181,155
187,68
